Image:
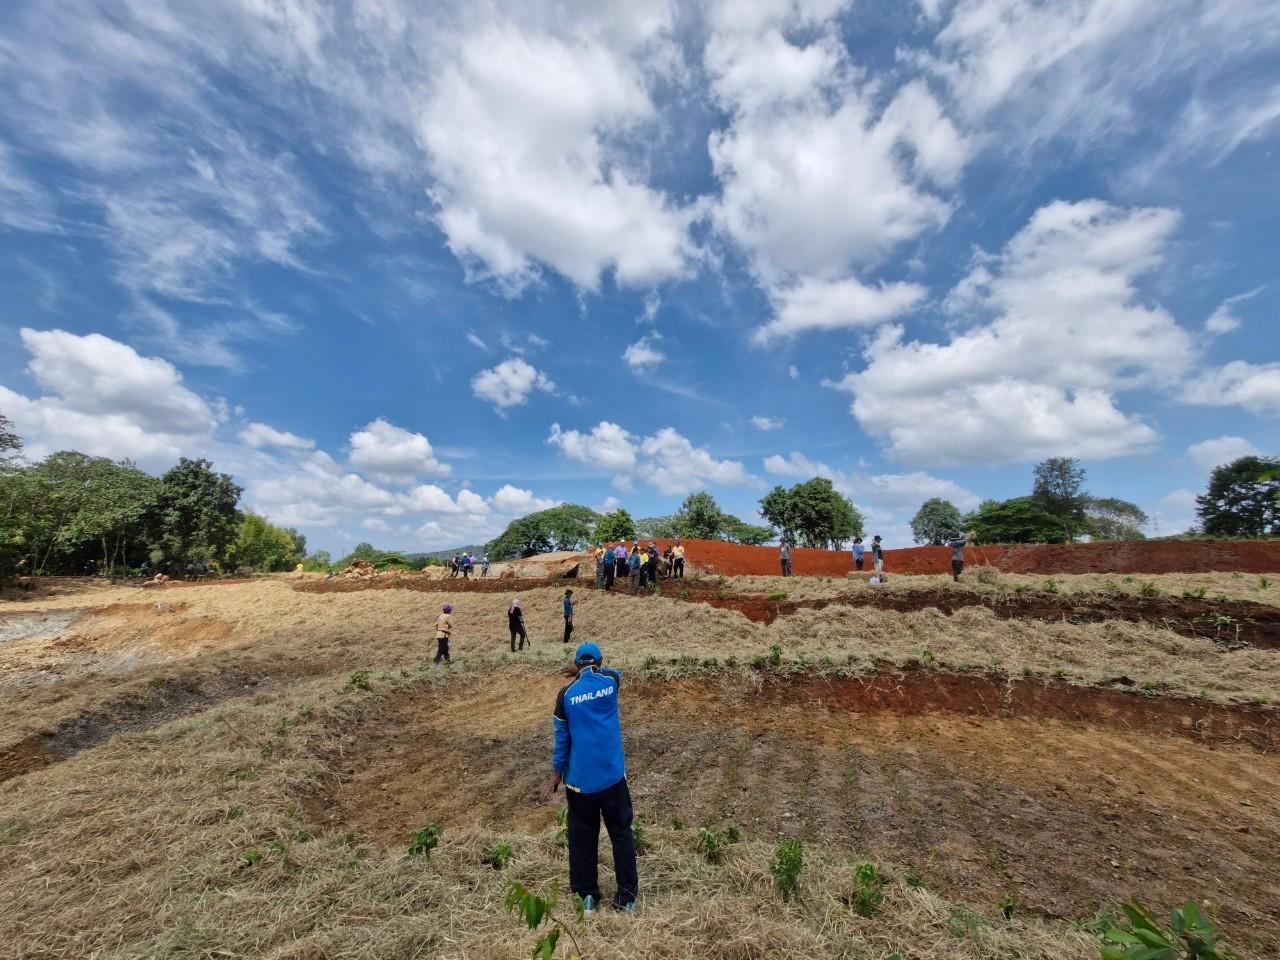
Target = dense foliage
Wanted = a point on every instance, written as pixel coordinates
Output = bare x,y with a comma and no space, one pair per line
1020,520
1108,518
1243,499
1059,490
615,527
261,546
566,527
935,521
813,514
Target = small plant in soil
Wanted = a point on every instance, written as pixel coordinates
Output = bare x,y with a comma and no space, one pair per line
868,889
775,655
1150,589
1190,936
500,856
425,839
641,836
780,595
252,856
711,844
561,838
1263,583
733,833
536,911
788,861
1196,594
1009,904
914,880
233,813
1052,586
928,658
359,681
677,823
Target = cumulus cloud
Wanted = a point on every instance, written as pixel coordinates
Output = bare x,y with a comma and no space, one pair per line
1224,318
103,397
671,463
259,435
766,423
886,491
510,383
394,452
1254,386
1208,454
831,305
1059,330
644,353
518,502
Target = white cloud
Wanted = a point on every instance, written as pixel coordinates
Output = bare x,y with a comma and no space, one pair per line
1066,331
1208,454
793,372
24,205
105,399
518,502
644,353
393,452
521,127
832,305
477,342
510,383
670,462
607,446
886,491
259,435
1224,319
767,423
1254,386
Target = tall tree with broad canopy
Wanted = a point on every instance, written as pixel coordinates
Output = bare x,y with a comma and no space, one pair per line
264,547
935,521
699,517
1243,499
1059,489
195,517
1020,520
566,527
813,514
1109,518
616,527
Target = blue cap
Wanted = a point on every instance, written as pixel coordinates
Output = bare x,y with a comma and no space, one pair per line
588,653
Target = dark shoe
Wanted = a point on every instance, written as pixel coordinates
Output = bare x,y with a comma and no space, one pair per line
628,906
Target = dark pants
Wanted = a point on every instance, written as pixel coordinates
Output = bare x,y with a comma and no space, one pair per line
568,628
608,575
518,632
651,571
957,568
679,567
633,580
857,564
442,649
583,830
786,568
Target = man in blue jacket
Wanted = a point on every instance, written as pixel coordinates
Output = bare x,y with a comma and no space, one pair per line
588,759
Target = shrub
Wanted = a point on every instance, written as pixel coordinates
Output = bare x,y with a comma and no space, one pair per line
1193,936
868,889
788,860
423,840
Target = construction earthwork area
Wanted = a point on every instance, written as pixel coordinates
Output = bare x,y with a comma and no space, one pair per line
234,769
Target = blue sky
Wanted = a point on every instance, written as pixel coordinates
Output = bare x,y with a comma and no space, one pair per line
410,270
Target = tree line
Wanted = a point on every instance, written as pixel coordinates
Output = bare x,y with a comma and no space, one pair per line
71,512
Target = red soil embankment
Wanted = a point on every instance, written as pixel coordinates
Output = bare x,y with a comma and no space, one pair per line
1142,556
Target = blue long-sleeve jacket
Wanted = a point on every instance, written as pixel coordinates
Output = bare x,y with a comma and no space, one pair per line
588,750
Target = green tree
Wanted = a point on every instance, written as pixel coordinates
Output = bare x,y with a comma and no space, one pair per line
10,442
738,531
264,547
195,516
318,562
1243,499
657,528
1020,520
936,520
813,514
566,527
1109,518
615,527
699,517
1059,489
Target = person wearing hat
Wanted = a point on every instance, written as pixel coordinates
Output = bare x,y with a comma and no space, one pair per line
877,553
634,567
444,631
568,615
515,620
588,759
957,542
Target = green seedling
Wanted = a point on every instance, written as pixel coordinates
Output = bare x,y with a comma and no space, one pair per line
733,833
775,655
1196,594
928,658
914,880
1150,589
536,911
252,856
868,889
641,836
788,861
780,595
1263,583
425,839
1191,936
677,823
359,681
711,844
1009,904
501,856
234,813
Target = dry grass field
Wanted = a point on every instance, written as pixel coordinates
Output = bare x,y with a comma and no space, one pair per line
234,770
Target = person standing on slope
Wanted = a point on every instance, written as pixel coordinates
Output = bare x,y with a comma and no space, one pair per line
568,615
444,632
515,621
784,557
588,759
877,553
956,542
859,553
677,568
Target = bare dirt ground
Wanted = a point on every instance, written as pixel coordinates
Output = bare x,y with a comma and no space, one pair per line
193,772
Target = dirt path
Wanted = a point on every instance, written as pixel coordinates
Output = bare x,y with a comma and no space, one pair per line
1069,797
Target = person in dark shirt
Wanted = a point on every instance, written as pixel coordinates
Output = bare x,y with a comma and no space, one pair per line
515,620
568,615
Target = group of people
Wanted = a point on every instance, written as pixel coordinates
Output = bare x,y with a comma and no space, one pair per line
465,564
515,624
859,554
640,567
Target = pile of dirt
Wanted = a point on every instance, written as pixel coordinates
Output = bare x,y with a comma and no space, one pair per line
359,570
